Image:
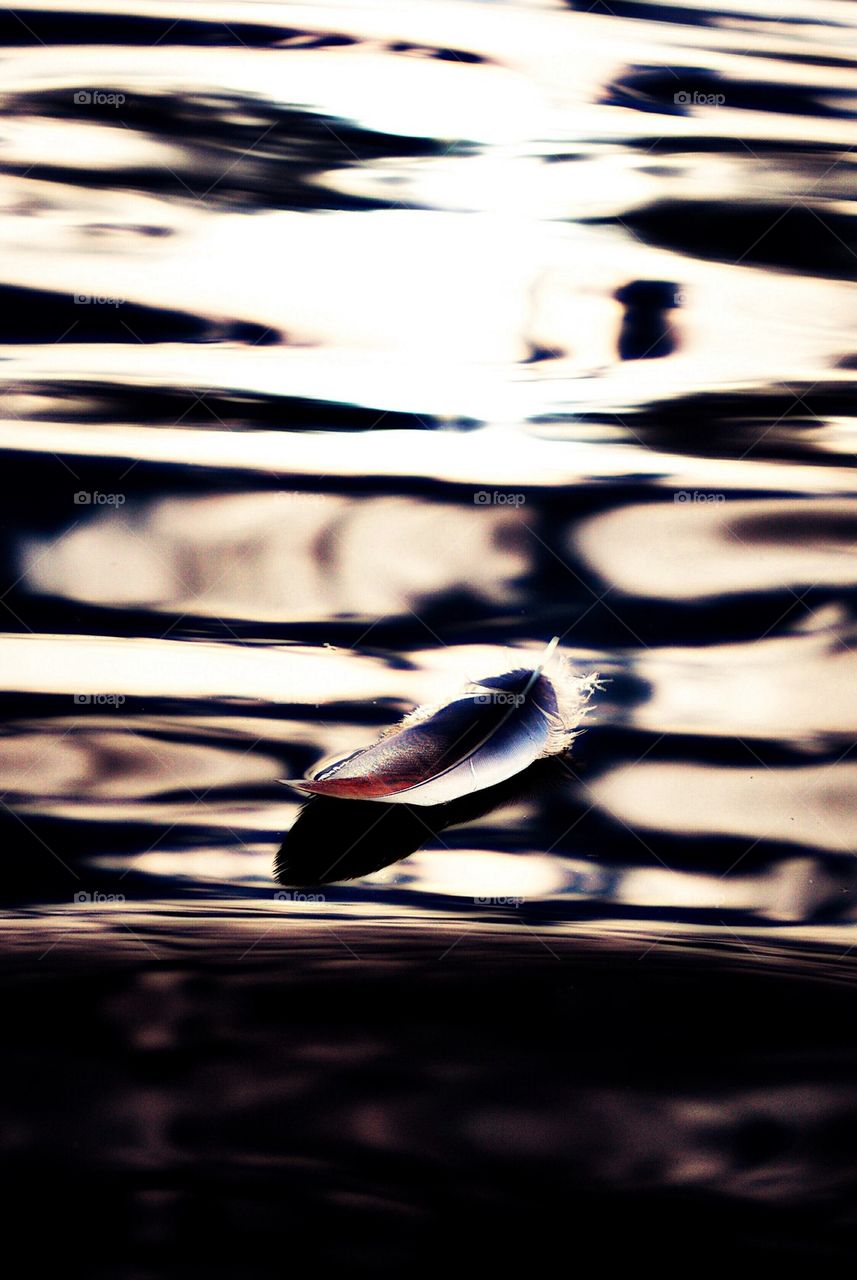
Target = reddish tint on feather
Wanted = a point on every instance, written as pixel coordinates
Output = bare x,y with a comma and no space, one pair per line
350,788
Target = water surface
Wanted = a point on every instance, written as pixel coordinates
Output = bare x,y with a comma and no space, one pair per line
349,352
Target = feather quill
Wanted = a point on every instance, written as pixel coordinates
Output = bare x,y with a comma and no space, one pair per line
498,727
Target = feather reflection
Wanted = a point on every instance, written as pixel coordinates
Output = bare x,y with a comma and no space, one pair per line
336,839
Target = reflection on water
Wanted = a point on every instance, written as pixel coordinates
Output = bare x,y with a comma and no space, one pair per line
349,351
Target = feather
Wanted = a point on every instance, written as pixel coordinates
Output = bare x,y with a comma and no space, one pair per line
491,732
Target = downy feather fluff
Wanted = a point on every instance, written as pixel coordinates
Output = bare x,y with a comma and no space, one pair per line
498,727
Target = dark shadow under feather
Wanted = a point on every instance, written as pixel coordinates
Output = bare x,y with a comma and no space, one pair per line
334,839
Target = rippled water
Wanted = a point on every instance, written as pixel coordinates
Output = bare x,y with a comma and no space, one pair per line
349,352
